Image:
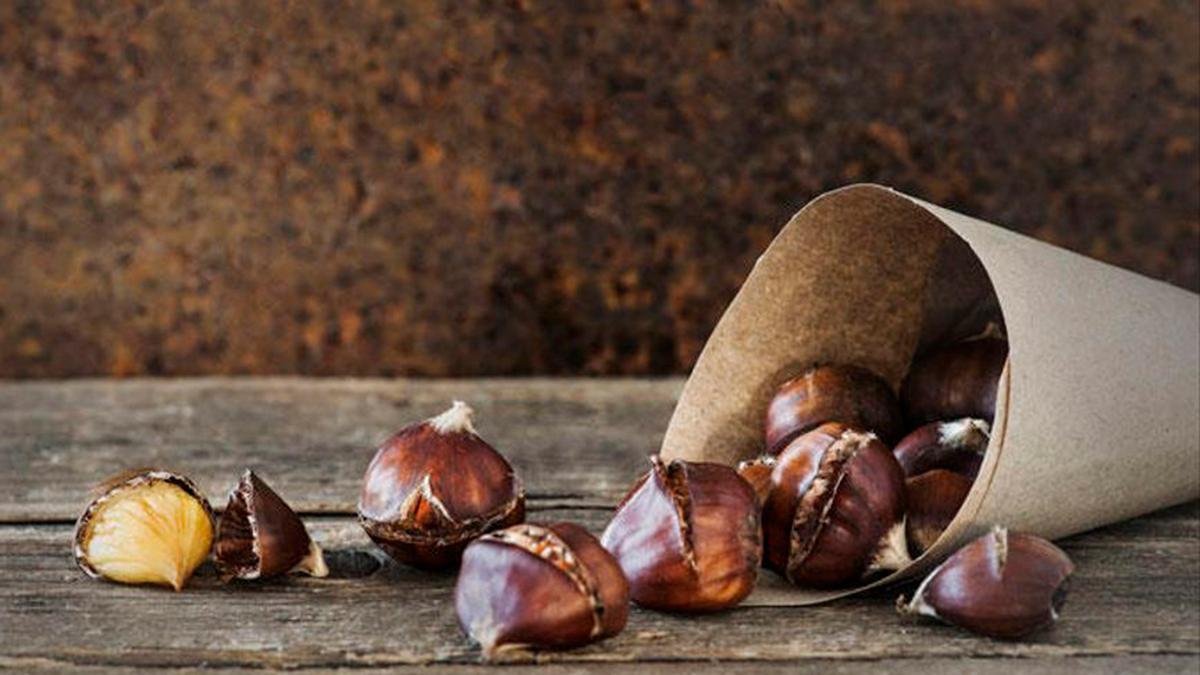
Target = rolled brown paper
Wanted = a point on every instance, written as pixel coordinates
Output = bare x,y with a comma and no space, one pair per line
1098,409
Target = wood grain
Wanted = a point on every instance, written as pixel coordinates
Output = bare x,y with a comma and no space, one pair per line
1133,606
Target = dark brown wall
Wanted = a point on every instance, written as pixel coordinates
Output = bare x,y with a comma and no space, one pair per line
471,188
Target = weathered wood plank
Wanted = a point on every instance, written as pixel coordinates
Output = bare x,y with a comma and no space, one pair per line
1136,593
573,441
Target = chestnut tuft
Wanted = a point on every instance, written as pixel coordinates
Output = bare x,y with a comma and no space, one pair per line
539,586
832,393
955,381
687,537
835,511
934,498
1003,585
260,536
757,472
957,446
433,487
147,526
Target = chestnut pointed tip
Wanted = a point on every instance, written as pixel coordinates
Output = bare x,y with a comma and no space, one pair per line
458,418
313,562
892,554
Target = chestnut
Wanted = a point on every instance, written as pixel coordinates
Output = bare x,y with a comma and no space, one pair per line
757,472
835,510
540,586
687,537
955,381
934,498
260,536
1003,585
957,445
832,393
147,526
433,487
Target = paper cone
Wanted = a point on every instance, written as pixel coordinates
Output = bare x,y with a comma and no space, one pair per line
1098,410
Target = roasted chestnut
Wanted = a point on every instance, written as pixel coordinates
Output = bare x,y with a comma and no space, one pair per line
687,537
835,510
955,381
934,498
147,526
1003,585
260,536
435,486
958,445
540,586
832,393
757,472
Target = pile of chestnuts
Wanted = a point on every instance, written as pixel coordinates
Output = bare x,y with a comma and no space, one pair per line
841,493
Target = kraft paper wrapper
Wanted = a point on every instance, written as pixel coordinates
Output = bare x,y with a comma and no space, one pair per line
1098,410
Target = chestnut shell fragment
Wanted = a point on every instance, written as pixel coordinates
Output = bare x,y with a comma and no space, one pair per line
433,487
687,537
1003,585
835,511
260,536
832,393
539,586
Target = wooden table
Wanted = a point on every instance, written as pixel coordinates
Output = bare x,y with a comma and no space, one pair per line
1134,606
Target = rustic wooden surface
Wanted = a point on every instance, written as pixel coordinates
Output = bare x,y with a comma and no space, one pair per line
1134,606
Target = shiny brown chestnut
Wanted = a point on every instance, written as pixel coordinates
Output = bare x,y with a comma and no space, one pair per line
260,536
433,487
539,586
757,472
835,511
147,526
687,537
934,498
957,445
1003,585
955,381
832,393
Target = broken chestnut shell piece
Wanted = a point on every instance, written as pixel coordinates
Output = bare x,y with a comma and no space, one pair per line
687,537
260,536
832,393
757,472
147,526
958,446
433,487
835,511
1003,585
955,381
934,498
539,586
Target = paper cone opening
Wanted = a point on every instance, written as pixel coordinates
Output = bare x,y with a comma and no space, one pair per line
1098,409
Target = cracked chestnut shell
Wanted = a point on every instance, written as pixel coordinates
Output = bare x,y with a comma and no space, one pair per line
1003,585
957,445
835,510
147,526
934,498
955,381
757,472
539,586
832,393
433,487
260,536
687,537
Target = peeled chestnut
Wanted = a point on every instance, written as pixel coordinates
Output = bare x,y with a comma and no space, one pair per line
957,446
541,586
955,381
687,537
757,472
832,393
148,526
835,510
433,487
934,498
1001,585
260,536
